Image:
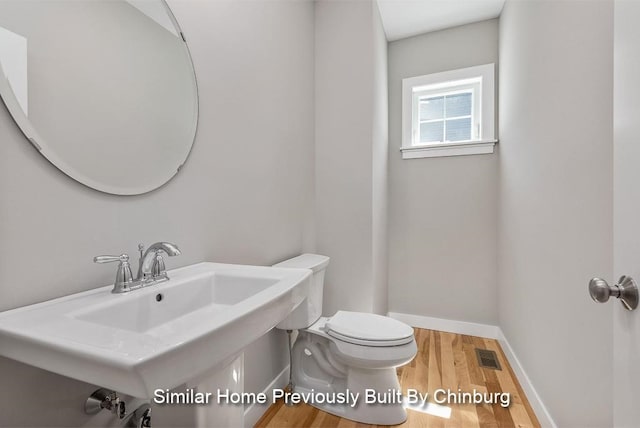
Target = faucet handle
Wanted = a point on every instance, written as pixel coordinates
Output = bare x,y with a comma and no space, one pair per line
124,276
158,268
110,259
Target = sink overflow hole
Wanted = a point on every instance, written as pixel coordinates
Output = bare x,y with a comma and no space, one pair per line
159,297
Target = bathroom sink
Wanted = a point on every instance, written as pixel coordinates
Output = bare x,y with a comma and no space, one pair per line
160,336
149,314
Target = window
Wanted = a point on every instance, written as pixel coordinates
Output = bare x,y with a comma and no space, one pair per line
450,113
446,116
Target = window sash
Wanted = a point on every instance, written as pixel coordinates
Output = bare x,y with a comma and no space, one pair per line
451,88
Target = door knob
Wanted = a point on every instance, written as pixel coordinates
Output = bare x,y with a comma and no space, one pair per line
626,290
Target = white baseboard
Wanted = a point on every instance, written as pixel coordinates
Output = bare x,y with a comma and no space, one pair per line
254,412
491,332
532,395
450,326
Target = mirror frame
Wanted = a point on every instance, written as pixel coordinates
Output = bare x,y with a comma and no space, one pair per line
39,143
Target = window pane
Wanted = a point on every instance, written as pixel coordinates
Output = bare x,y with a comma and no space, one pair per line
458,105
431,132
431,108
459,129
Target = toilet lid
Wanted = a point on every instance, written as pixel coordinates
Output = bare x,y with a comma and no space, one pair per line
368,329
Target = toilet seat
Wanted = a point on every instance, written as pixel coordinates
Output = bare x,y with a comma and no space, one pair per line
368,329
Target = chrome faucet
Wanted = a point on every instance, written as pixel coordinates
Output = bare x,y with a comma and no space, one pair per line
151,263
151,267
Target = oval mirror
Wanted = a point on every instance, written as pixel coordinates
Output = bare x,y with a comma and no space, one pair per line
104,89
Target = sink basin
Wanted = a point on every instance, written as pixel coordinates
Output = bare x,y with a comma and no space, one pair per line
156,337
149,314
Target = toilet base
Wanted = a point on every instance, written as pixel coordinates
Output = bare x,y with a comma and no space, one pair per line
381,389
317,371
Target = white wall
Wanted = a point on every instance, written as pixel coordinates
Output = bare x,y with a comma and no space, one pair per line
626,325
349,168
380,167
442,211
556,201
242,197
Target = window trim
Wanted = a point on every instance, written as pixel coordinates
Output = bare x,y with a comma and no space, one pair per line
450,81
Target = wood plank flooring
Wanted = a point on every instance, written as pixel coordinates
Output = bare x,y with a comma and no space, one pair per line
444,360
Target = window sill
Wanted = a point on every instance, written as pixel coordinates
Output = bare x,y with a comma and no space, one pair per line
449,149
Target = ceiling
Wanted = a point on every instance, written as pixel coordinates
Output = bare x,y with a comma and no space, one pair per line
405,18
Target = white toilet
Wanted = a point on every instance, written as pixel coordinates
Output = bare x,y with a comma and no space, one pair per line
350,351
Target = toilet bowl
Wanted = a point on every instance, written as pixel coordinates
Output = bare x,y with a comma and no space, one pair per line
346,364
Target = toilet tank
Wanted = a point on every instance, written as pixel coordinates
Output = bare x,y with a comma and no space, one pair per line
311,308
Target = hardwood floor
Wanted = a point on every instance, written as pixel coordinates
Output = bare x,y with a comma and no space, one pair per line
444,360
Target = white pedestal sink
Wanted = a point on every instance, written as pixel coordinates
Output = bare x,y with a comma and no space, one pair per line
161,336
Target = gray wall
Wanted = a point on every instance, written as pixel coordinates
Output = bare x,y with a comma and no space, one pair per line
350,192
380,167
556,201
242,197
442,211
626,107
